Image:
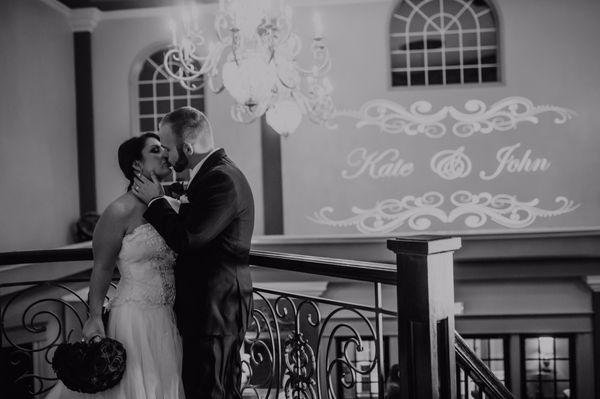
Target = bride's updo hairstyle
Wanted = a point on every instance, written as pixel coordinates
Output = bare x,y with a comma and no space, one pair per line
131,151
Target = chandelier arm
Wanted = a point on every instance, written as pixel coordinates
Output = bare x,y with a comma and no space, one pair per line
319,53
183,78
284,25
270,44
290,86
175,56
281,36
236,43
213,88
206,64
188,72
221,24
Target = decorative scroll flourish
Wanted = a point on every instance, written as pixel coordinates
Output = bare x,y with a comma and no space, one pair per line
418,212
395,119
503,115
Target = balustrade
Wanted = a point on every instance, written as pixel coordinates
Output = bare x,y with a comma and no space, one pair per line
298,346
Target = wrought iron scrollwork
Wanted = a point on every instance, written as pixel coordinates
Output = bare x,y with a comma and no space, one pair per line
43,320
288,344
262,355
348,372
300,362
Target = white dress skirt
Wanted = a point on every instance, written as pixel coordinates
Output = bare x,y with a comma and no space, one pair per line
142,319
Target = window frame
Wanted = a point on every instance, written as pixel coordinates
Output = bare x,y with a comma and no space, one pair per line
134,82
572,360
500,57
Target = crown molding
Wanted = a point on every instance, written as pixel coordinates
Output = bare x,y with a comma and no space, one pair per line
80,19
593,282
319,3
157,12
151,12
85,19
58,6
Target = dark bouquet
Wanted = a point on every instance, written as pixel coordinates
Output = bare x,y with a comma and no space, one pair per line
90,367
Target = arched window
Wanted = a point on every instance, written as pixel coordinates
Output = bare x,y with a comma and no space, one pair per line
158,94
440,42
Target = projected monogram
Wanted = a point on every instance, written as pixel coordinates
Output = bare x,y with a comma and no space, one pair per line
451,164
419,118
474,210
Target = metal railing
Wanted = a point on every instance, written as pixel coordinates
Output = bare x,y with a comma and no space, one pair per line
297,346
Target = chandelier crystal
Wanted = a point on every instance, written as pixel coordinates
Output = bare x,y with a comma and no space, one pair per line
254,57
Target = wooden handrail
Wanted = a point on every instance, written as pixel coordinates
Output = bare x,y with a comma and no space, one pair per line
351,269
46,256
478,370
363,271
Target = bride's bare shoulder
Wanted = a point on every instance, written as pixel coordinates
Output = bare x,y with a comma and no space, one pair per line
122,207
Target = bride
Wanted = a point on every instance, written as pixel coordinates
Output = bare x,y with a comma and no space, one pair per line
141,313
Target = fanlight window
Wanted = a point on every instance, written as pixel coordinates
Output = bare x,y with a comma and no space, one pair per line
157,94
440,42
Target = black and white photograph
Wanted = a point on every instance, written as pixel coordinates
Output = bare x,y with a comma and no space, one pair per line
299,199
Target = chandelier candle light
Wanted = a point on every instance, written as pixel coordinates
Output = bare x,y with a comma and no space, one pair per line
254,58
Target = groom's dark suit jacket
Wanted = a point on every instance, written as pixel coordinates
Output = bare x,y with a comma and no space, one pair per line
211,235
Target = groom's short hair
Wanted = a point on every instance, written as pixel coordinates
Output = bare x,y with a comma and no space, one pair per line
190,125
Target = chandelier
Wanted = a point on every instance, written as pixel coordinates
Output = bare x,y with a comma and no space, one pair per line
254,57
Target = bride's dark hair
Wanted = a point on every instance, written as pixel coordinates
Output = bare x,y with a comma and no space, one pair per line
131,151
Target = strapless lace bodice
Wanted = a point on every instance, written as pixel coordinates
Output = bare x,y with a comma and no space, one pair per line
146,266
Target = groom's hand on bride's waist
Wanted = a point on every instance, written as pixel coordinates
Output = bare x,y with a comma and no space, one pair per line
147,190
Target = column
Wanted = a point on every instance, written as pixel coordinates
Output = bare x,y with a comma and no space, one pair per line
425,292
83,21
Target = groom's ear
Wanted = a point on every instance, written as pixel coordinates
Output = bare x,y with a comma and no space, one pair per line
188,149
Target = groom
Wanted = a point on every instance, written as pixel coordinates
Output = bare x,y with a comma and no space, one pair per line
211,235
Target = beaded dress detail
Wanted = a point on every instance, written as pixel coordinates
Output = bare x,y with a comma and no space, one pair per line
143,320
146,266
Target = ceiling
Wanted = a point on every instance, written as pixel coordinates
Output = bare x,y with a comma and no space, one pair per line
111,5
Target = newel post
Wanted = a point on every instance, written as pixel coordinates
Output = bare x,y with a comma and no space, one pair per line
426,316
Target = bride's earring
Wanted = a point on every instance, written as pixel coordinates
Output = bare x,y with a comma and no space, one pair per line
137,169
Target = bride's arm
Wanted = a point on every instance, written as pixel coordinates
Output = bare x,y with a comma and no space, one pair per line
106,245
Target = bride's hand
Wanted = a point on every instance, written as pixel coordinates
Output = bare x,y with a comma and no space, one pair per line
145,189
93,326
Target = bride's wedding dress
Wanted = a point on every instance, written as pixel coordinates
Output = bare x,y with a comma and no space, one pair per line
142,319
